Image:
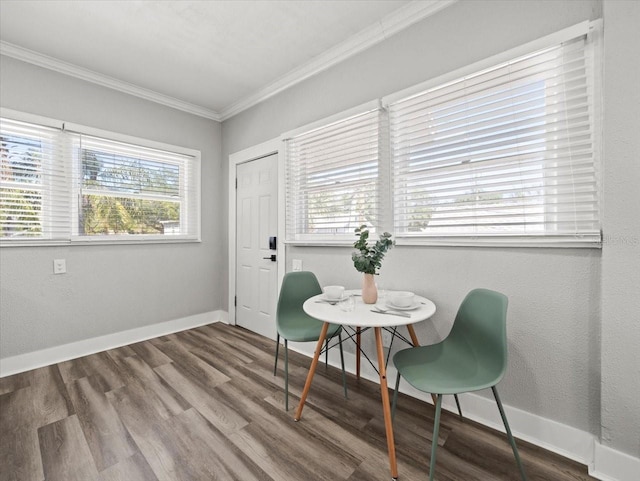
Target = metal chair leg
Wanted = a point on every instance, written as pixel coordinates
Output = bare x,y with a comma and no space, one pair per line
344,375
326,354
509,435
286,375
275,367
395,398
458,404
434,441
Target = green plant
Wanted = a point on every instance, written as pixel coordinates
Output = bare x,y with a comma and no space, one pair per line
368,259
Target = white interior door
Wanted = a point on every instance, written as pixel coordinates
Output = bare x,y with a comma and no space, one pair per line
256,222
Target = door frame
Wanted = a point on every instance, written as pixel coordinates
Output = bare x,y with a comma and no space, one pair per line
264,149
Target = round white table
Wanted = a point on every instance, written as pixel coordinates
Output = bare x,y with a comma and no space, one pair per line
362,316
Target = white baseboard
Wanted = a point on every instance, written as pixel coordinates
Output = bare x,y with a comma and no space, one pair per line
52,355
611,465
603,462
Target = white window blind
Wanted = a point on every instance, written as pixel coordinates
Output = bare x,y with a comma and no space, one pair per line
127,189
505,152
59,186
332,179
34,183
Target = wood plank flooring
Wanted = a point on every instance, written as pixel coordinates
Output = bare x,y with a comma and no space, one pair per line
203,404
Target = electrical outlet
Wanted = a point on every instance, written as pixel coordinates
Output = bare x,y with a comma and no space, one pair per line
296,264
59,266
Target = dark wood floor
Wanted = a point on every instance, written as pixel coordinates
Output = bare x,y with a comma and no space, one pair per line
203,404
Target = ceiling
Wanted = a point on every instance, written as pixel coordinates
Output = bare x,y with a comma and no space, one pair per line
213,58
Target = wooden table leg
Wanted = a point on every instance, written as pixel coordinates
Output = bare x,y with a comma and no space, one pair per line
312,370
358,352
386,406
412,333
414,340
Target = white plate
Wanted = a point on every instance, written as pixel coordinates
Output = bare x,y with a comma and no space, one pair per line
415,305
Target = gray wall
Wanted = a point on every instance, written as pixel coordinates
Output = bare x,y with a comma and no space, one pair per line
574,330
555,317
108,288
621,253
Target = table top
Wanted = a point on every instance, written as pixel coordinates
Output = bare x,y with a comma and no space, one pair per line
362,316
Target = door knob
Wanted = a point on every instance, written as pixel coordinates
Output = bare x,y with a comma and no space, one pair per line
272,257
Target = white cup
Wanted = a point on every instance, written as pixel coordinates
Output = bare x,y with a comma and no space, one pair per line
333,292
401,298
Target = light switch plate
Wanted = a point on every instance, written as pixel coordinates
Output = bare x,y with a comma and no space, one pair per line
296,264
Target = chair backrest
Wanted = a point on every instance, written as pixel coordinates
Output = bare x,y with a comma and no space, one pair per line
481,324
296,288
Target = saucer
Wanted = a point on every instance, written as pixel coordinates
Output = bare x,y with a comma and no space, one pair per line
415,305
333,299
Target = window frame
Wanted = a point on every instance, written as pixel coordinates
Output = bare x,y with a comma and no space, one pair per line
381,183
593,30
69,133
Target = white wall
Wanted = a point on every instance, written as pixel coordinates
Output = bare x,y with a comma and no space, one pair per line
556,305
107,289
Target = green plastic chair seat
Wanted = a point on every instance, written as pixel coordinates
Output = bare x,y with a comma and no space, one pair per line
303,328
452,368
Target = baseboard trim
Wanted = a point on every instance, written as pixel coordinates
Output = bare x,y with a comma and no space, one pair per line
52,355
604,463
611,465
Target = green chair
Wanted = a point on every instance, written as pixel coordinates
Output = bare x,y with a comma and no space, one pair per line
472,357
293,324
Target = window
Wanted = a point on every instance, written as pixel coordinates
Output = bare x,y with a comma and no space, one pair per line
33,182
332,178
61,184
507,152
132,190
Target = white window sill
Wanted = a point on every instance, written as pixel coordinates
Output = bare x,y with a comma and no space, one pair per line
53,243
591,242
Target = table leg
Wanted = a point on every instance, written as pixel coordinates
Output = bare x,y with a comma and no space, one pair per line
412,333
414,340
386,406
312,370
358,352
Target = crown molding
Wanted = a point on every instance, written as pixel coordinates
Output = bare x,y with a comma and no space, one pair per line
393,23
66,68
